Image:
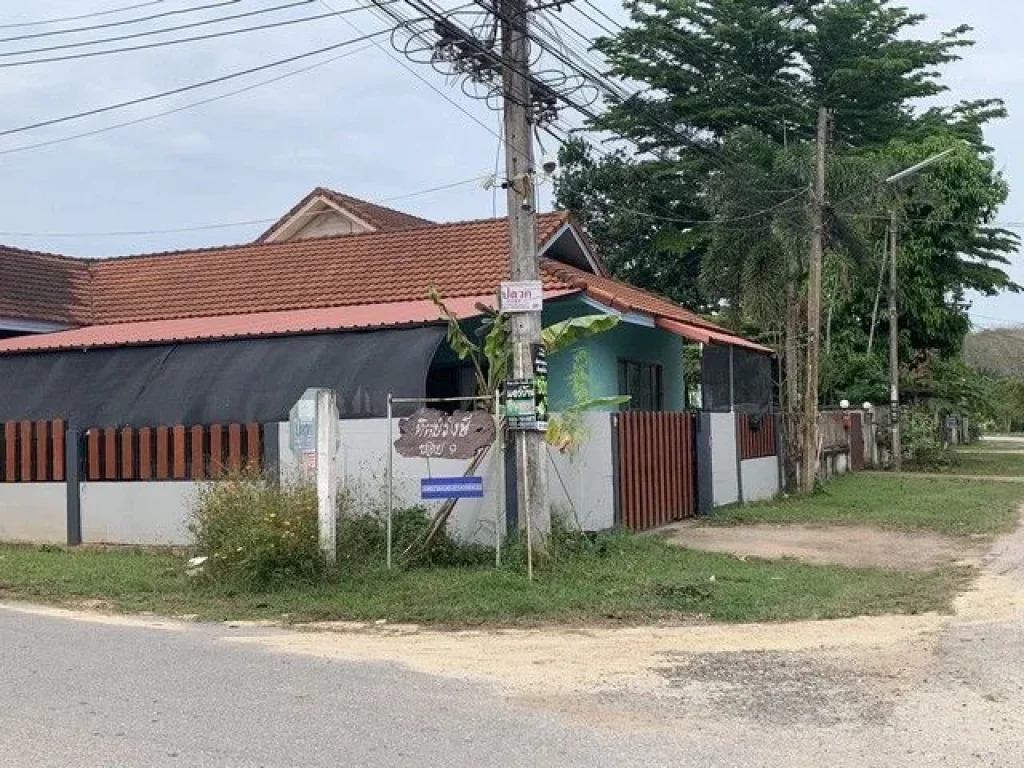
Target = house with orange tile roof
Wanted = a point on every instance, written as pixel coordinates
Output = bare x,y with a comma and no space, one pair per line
333,265
334,295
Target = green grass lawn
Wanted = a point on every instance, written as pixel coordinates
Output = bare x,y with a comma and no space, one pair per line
995,445
624,578
897,502
996,464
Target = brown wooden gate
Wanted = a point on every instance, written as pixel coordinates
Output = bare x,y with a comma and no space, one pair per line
856,442
655,468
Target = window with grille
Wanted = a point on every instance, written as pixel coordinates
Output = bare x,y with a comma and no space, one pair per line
643,383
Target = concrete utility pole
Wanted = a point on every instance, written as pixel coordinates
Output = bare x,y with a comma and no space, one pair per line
810,455
894,350
896,443
531,473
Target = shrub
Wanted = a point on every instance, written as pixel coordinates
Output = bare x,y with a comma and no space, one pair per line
257,533
922,442
362,541
566,542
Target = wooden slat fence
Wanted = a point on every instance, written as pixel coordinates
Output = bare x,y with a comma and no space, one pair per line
656,468
179,452
32,452
755,435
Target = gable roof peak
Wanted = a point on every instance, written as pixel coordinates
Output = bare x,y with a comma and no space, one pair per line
378,218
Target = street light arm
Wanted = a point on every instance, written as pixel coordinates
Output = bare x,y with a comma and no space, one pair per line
914,169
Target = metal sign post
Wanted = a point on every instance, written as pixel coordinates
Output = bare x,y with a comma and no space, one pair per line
499,480
391,475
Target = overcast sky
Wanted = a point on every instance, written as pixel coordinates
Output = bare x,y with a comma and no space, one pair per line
362,125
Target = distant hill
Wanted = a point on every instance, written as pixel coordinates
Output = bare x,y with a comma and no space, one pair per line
997,351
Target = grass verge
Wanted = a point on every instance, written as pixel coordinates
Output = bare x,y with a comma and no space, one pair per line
994,464
622,578
896,502
985,446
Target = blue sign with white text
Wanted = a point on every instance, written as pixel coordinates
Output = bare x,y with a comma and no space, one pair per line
452,488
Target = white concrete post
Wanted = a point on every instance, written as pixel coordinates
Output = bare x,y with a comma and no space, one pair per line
326,473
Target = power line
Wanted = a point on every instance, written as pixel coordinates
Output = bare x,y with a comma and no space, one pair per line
952,222
178,41
190,87
576,7
713,221
94,14
162,31
603,84
412,70
618,28
184,107
232,224
122,23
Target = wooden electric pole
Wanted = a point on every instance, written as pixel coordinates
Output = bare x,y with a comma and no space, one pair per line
810,452
894,349
531,474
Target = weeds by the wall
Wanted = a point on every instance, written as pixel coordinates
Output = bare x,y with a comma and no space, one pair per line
256,533
260,534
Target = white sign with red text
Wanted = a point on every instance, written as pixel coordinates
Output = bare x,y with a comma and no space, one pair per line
525,296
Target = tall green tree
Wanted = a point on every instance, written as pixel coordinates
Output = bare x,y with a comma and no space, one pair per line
728,90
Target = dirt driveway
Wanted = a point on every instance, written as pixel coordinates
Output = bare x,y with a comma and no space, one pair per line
855,546
882,691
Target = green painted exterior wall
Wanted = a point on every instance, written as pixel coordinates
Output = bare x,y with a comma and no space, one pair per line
626,341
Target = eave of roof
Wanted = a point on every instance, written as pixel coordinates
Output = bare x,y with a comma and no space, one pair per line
286,323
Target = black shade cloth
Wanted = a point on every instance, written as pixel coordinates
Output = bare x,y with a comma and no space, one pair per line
751,372
714,378
752,381
241,380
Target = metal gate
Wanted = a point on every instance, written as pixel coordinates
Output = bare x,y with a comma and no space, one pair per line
655,468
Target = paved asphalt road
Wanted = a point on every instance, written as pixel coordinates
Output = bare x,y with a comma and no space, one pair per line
91,692
82,694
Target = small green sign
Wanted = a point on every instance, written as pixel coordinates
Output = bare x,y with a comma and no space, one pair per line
521,404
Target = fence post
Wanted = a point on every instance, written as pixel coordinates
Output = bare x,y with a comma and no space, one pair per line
326,479
616,473
739,420
272,451
511,486
72,475
705,478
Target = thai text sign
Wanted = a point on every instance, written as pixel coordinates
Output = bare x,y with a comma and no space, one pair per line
521,404
433,434
452,488
525,296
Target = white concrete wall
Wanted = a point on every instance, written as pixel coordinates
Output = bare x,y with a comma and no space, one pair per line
725,485
33,512
137,513
362,472
583,486
760,478
587,495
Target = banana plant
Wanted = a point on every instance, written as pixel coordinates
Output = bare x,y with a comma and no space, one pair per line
491,357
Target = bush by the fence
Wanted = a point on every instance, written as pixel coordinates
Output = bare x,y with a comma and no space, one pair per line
257,533
921,437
